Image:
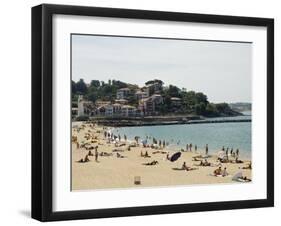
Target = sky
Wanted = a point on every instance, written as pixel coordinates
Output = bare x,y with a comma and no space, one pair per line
221,70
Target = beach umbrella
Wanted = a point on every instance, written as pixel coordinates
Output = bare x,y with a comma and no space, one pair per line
175,156
221,154
237,176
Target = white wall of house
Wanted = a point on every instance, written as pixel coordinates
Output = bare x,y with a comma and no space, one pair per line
80,105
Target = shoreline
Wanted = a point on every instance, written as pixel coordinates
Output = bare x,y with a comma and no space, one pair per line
113,172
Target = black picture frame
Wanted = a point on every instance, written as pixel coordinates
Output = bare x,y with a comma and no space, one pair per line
42,107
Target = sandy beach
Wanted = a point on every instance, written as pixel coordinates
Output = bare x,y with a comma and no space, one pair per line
111,171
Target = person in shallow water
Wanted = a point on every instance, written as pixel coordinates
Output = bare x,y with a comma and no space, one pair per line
206,150
237,153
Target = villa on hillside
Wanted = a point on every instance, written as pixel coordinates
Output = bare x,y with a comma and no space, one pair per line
123,93
147,105
147,97
141,94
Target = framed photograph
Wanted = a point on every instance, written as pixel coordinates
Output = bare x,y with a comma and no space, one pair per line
145,112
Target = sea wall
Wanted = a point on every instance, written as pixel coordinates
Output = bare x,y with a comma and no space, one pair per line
153,121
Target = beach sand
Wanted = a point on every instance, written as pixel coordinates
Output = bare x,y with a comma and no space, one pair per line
112,172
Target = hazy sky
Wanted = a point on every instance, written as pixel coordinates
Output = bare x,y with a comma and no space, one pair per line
221,70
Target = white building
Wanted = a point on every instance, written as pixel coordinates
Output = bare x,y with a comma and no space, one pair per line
128,111
122,93
142,94
105,110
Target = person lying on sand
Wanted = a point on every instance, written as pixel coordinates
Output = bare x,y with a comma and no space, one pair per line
103,153
151,163
249,166
81,160
117,150
187,168
119,155
195,158
244,179
238,160
86,159
224,160
205,163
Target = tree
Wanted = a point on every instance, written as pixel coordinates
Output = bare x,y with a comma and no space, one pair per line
174,91
155,81
201,98
211,110
200,108
81,87
92,97
95,83
73,87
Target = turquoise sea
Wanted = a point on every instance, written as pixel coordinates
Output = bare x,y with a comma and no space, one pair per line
231,134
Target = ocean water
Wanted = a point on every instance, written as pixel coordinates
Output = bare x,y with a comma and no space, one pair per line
216,135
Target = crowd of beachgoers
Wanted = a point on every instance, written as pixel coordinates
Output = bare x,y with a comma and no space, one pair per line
93,143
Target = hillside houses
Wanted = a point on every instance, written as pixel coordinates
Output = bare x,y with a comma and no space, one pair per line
134,102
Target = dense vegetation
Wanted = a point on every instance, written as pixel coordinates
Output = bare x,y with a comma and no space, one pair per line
191,102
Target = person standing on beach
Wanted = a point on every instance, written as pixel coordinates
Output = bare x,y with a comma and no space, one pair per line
231,151
119,137
125,137
167,156
206,150
187,147
190,147
237,153
222,148
195,148
96,153
226,153
164,143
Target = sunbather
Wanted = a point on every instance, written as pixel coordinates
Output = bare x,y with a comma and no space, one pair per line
218,172
119,155
151,163
187,168
238,161
249,166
